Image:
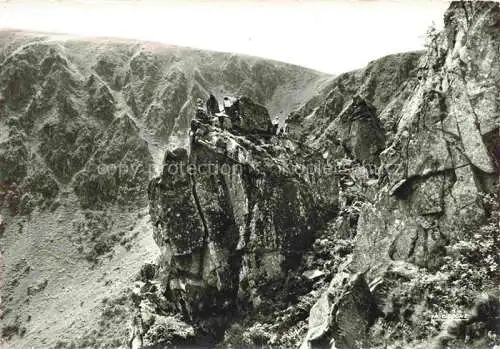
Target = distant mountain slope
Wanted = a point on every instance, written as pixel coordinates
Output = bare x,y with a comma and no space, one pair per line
374,224
84,124
377,83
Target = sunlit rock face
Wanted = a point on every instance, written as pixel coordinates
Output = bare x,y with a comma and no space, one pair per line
84,126
441,158
437,165
230,219
373,222
409,147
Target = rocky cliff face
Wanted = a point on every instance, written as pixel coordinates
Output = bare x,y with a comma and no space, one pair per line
378,84
391,245
239,222
438,170
374,224
84,125
442,157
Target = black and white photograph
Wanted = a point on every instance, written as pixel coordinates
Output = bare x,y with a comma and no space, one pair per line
249,174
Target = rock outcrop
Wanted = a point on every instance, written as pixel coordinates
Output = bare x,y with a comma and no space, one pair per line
374,224
356,133
230,219
439,162
378,84
254,117
437,167
342,315
408,151
84,125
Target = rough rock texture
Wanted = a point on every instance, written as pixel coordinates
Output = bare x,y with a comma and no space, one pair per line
378,218
254,117
230,219
342,315
392,163
437,168
84,124
377,84
438,164
356,132
113,174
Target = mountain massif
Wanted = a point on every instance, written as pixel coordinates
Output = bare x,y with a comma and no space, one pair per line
373,223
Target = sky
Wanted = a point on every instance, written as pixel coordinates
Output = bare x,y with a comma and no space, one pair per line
330,36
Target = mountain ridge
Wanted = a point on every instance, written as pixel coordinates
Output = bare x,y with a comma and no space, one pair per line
348,233
83,129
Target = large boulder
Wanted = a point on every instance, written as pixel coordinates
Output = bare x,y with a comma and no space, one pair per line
356,132
254,117
343,314
229,218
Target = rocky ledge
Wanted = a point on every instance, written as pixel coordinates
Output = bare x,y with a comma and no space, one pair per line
407,216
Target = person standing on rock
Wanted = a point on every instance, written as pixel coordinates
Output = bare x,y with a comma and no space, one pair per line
232,110
226,103
276,125
212,105
214,110
284,130
199,118
135,333
201,114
